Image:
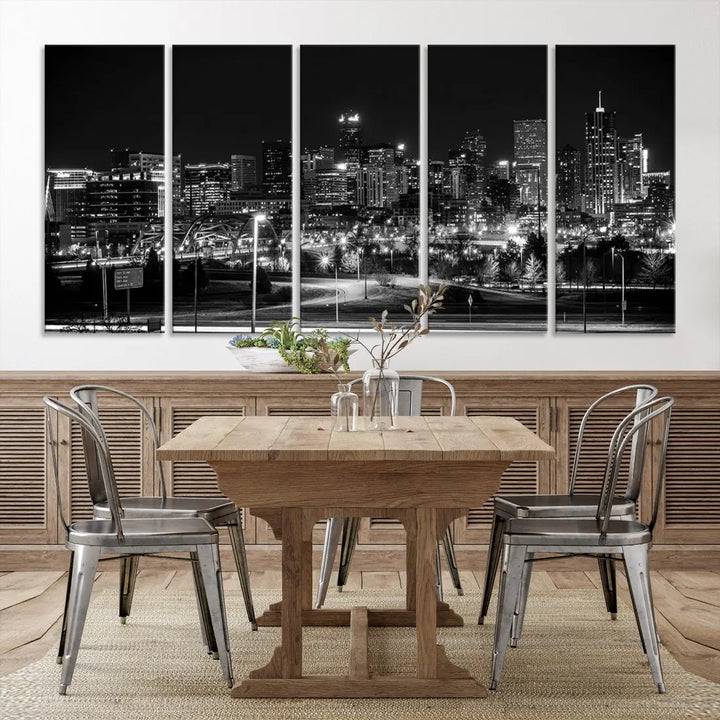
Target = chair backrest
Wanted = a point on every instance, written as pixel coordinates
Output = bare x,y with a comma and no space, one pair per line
643,394
636,423
410,393
86,397
101,453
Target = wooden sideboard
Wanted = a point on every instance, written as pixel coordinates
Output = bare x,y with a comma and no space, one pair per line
550,403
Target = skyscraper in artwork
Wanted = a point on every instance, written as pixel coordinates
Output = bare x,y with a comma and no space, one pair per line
630,168
350,138
530,150
601,158
243,172
567,173
474,143
277,168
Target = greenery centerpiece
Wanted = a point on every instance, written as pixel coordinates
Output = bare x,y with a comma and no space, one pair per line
380,383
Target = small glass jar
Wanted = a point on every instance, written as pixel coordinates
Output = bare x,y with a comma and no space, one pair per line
381,388
344,408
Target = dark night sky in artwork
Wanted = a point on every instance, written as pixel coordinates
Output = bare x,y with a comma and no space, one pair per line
485,88
638,83
227,99
380,82
102,96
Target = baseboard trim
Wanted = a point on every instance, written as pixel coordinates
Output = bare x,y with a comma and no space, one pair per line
366,557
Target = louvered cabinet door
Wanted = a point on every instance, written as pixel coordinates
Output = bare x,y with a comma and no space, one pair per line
198,478
130,442
293,406
521,477
690,507
596,441
28,508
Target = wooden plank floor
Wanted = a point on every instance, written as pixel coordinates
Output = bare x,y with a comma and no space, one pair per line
687,605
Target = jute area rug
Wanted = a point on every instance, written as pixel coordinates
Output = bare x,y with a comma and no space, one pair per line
573,664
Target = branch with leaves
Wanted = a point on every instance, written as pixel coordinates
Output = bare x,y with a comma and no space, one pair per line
394,338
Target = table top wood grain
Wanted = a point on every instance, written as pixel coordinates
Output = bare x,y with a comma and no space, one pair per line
311,439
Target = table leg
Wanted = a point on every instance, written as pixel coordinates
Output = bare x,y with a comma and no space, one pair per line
293,550
425,597
286,661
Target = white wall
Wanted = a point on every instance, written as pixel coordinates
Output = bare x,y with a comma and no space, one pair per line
692,25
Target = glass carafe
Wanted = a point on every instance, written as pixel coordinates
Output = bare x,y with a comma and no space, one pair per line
344,408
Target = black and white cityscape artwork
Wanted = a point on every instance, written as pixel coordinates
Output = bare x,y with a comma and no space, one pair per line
232,186
360,237
615,194
487,205
359,125
104,188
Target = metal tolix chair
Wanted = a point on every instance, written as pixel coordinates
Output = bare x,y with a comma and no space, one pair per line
218,511
605,536
88,540
409,403
571,505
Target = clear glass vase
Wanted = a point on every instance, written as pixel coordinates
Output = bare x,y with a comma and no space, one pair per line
344,408
381,387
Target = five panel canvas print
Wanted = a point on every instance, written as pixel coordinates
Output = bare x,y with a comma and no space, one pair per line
364,232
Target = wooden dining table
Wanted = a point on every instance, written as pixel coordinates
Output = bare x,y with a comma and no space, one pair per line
294,471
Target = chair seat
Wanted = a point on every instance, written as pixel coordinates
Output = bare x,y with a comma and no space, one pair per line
575,532
143,531
558,506
212,509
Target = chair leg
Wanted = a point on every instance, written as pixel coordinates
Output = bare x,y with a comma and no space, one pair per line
351,527
606,565
638,577
637,619
333,529
510,582
206,630
452,563
83,575
128,575
209,560
238,547
63,631
519,616
438,574
495,551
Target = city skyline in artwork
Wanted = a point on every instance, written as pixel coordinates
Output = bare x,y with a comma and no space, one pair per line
615,191
487,185
232,186
360,249
104,188
359,126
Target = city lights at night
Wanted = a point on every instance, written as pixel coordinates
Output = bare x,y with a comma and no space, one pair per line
363,242
615,198
487,183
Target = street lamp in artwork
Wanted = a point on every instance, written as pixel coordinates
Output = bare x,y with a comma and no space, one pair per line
615,252
362,256
325,263
257,219
539,220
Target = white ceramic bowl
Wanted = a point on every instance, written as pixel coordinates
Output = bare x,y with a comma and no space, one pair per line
261,360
